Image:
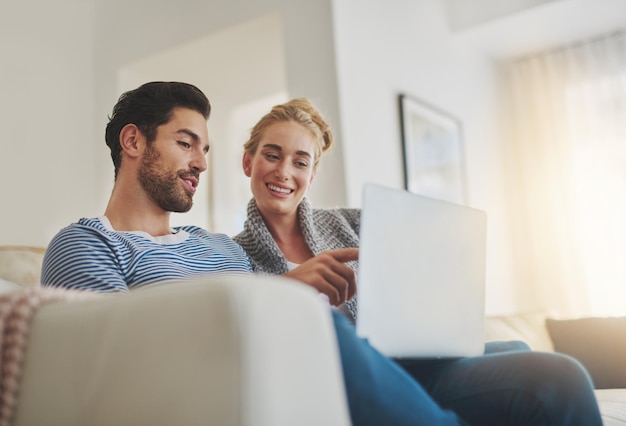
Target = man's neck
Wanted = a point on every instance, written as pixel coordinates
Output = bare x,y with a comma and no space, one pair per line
135,212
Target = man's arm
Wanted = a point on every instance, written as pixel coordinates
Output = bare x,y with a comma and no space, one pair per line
79,258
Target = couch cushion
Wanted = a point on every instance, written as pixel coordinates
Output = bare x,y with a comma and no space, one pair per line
21,264
612,404
598,343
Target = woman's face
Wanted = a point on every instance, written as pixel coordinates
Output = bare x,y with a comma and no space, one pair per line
282,169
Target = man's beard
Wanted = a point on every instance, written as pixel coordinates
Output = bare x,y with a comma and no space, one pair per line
163,186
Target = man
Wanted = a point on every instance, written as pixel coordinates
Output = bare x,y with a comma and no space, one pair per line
158,139
158,157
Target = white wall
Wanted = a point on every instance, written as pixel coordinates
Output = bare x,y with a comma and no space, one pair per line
46,118
403,46
63,68
305,66
245,78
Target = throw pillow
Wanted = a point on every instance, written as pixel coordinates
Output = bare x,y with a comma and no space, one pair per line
598,343
21,264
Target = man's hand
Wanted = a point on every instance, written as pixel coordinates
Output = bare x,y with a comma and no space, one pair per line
328,274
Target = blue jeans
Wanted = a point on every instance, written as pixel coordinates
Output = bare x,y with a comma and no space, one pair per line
504,387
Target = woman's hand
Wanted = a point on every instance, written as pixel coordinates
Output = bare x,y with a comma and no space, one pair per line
328,274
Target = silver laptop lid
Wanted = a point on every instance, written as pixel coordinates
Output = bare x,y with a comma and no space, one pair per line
421,275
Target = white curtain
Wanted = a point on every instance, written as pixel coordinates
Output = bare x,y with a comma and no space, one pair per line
568,165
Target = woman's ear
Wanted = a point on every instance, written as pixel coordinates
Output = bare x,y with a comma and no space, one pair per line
246,163
313,176
129,140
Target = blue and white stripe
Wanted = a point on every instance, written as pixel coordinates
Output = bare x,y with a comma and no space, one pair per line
90,255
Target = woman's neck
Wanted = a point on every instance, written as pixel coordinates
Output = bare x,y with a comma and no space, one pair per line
286,232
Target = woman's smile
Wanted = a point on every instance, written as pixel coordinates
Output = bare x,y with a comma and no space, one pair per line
278,189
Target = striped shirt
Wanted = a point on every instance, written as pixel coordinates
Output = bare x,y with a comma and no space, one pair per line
91,255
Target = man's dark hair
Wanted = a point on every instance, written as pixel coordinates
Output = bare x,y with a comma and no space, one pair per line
148,107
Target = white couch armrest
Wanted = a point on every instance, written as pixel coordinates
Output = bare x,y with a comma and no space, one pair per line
216,350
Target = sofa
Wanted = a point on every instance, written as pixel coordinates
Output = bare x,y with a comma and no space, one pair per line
102,360
598,343
185,353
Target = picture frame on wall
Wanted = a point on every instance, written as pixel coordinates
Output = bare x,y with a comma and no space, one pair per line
433,151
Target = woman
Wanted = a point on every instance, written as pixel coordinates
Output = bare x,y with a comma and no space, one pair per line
284,235
282,230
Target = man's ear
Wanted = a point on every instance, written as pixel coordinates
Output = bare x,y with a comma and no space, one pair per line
129,140
246,163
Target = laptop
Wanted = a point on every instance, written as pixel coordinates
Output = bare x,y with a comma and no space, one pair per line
421,276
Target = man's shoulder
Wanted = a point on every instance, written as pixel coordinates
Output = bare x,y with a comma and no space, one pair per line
84,228
211,245
210,237
201,232
87,235
193,229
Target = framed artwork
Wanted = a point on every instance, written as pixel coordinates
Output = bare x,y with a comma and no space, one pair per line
433,152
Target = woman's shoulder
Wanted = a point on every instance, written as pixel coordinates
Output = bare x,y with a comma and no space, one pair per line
334,217
243,237
350,214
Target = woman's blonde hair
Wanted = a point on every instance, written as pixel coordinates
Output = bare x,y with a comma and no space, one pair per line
298,110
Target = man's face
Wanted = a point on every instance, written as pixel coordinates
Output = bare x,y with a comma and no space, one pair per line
172,163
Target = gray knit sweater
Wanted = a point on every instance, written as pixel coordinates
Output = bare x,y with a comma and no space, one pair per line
323,229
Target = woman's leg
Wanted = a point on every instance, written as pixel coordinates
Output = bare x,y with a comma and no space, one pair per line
380,392
511,388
